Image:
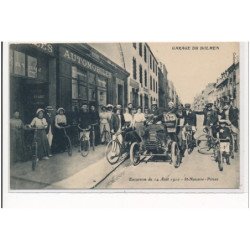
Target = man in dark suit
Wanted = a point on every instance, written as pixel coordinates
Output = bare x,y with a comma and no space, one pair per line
210,117
117,123
189,116
189,119
117,120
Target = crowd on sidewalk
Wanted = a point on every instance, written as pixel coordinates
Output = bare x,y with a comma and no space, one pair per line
50,138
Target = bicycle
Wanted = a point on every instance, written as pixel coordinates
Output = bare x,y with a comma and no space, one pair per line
93,135
206,141
84,141
115,149
221,154
105,134
34,145
188,139
67,140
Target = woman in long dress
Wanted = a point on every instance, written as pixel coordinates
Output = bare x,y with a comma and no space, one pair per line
16,138
42,141
127,117
58,143
139,119
104,122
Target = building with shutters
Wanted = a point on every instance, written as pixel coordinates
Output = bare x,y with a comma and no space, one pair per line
140,62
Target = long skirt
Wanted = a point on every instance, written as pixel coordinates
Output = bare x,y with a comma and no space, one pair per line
58,142
102,128
16,145
42,144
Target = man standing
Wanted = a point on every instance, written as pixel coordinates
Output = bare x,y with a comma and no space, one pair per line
84,121
231,114
116,124
210,118
189,119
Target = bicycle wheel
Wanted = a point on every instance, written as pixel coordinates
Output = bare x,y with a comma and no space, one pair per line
220,160
232,146
189,144
34,156
203,144
68,146
135,153
113,152
84,147
106,137
175,155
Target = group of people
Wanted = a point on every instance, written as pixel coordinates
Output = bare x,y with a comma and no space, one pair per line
48,134
114,119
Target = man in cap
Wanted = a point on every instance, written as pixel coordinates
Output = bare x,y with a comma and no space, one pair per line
84,120
117,123
210,117
223,134
156,113
117,120
189,116
189,119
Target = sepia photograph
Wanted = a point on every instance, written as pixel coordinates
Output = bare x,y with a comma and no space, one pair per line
124,116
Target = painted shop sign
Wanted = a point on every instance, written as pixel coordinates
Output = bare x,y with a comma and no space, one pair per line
69,55
45,47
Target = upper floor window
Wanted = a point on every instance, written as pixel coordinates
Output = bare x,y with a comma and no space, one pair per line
145,53
156,70
140,49
156,87
151,83
150,61
154,65
145,78
134,45
134,69
140,74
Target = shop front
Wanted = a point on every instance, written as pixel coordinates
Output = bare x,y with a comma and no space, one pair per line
32,78
85,77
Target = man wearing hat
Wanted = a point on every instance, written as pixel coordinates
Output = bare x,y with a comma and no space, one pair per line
189,119
155,112
84,120
223,134
117,122
189,116
210,117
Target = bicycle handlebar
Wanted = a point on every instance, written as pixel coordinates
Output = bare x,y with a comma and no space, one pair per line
32,128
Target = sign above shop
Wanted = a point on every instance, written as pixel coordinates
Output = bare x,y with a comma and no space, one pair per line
69,55
45,47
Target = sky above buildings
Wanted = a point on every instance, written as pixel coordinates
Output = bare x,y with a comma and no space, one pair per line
191,66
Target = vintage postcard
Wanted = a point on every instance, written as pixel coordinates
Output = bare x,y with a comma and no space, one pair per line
124,116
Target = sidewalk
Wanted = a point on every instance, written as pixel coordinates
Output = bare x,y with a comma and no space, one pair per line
52,173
